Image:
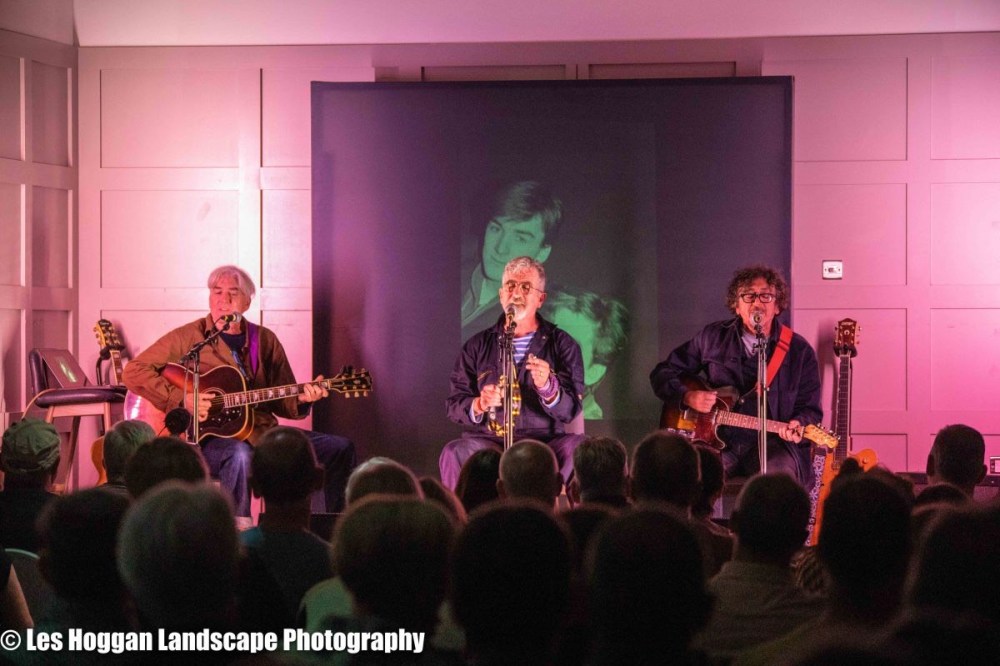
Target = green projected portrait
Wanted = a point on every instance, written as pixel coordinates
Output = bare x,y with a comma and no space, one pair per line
600,326
524,220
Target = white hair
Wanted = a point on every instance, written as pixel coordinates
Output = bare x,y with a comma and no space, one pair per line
243,280
524,263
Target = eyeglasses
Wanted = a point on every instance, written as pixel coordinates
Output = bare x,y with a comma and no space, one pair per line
510,285
750,297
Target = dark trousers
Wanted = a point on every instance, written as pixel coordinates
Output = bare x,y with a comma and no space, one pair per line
457,451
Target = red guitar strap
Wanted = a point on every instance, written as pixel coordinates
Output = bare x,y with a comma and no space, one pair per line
780,350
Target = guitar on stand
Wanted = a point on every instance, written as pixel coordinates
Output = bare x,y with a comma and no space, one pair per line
111,349
826,463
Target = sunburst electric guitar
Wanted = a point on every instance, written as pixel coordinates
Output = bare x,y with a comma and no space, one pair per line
702,427
846,347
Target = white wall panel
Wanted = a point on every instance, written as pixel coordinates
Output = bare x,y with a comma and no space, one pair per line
51,238
50,129
863,225
167,239
10,108
52,331
965,233
11,234
965,359
965,97
169,117
287,238
847,109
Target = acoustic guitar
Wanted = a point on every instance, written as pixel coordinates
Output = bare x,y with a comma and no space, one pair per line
845,345
703,427
230,414
111,348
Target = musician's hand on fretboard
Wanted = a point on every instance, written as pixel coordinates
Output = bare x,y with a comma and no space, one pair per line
313,392
792,432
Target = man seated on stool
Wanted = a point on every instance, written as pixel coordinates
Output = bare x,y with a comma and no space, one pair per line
257,354
549,371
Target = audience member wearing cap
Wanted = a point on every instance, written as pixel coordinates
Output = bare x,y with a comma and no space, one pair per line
29,458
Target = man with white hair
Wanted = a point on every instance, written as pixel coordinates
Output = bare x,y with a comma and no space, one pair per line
255,353
549,370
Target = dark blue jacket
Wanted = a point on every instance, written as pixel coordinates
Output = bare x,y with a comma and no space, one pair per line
717,355
479,364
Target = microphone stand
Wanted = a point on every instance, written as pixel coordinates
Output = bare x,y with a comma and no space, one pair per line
510,381
192,362
761,351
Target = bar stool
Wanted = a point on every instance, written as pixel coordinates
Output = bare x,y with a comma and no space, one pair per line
62,390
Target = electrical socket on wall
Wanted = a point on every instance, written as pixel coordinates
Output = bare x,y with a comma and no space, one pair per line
833,269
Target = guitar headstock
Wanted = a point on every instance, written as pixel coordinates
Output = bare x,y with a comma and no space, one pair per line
353,384
820,436
847,338
107,337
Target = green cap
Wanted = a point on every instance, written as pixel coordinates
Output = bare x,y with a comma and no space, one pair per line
31,445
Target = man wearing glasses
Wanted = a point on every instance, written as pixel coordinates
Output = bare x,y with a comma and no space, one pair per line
721,354
549,370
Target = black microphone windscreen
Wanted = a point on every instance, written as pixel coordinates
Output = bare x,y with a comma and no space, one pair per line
178,420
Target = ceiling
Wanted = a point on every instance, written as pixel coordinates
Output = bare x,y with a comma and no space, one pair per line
273,22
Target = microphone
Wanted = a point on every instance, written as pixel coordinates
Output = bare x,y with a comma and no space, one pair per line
511,313
758,317
177,421
233,318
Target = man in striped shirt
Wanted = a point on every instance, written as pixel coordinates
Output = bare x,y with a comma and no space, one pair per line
549,370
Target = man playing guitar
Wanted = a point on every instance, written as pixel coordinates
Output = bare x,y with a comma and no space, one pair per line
722,353
258,356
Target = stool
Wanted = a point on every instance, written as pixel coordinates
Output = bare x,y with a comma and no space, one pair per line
62,390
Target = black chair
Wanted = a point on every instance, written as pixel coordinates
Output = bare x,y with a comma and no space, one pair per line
62,390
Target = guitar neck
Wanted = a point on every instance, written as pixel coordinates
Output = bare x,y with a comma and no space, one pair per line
843,422
749,422
116,367
256,396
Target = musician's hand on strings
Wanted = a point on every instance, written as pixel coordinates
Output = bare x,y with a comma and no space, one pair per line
489,396
540,370
792,432
204,403
701,401
313,392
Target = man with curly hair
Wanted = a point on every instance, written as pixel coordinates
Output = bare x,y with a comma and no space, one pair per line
722,354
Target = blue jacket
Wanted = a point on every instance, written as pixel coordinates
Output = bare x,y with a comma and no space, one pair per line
479,364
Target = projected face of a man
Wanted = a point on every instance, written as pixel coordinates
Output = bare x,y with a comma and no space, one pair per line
584,331
506,238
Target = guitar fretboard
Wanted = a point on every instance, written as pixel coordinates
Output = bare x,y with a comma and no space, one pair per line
843,408
116,367
254,396
746,421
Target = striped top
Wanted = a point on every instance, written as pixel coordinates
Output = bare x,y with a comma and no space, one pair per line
521,346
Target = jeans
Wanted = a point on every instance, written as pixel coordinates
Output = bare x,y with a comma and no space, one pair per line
229,462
